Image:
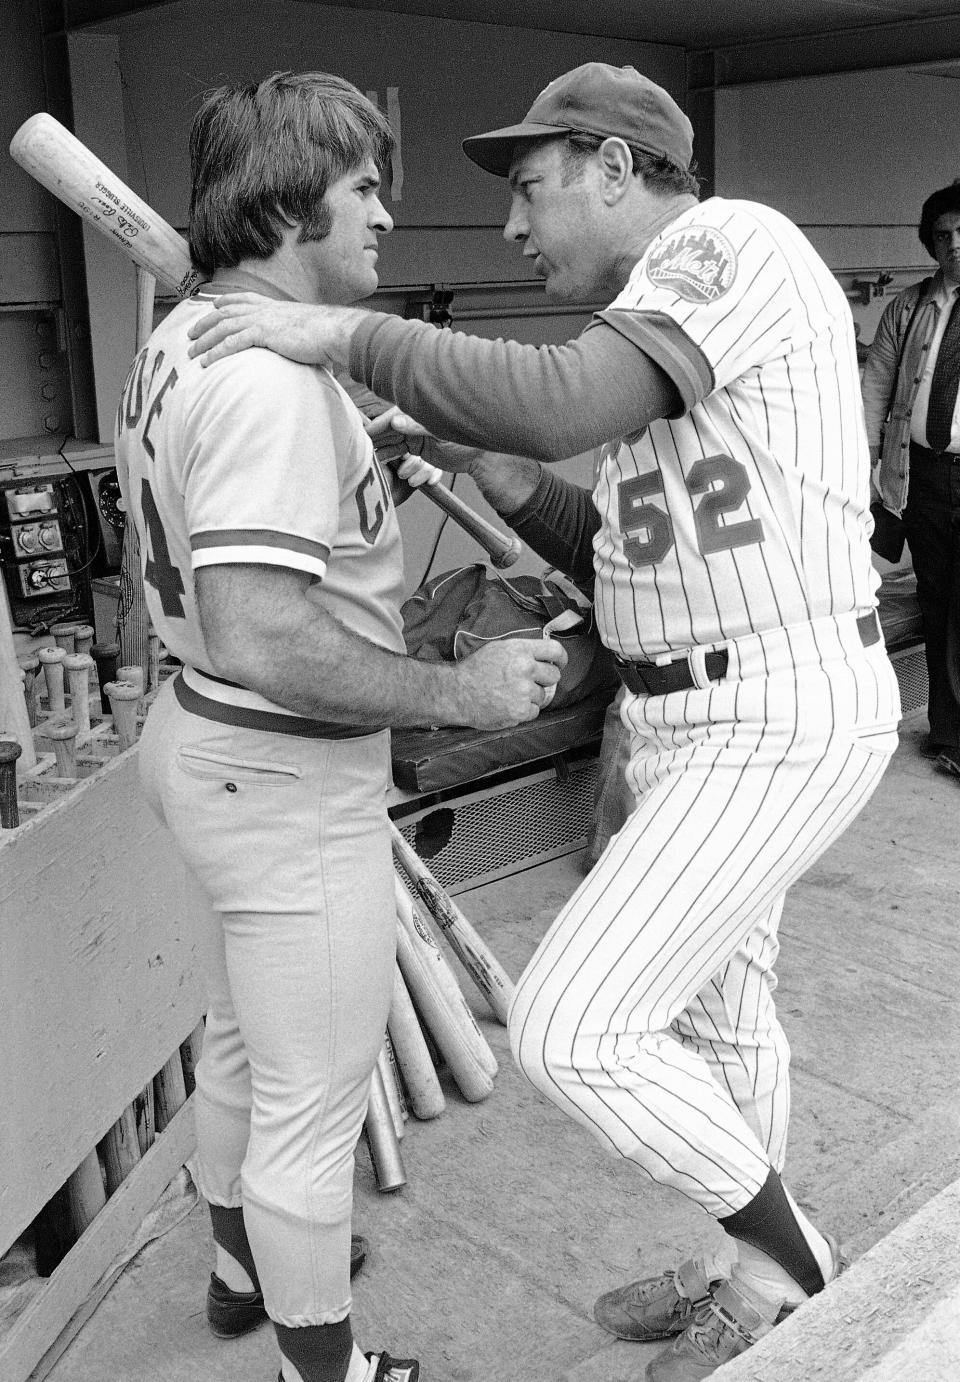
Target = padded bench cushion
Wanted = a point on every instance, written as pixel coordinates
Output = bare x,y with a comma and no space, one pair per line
425,760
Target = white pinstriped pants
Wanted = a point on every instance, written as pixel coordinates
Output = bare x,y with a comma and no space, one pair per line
647,1011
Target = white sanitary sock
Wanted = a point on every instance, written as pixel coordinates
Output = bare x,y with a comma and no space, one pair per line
757,1269
230,1272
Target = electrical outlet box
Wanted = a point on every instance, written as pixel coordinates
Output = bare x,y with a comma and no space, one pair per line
27,500
35,539
43,578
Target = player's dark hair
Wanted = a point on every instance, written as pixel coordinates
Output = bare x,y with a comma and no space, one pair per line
263,156
939,202
660,174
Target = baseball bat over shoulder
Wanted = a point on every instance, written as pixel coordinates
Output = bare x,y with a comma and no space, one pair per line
56,158
66,167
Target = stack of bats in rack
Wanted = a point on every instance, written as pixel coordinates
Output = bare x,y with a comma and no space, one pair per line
79,709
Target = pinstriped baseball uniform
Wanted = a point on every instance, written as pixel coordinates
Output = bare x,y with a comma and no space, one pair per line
647,1011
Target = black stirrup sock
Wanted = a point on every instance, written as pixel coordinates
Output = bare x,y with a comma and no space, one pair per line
229,1233
768,1223
319,1352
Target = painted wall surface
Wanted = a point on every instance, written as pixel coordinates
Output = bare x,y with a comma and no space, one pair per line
849,158
24,205
440,80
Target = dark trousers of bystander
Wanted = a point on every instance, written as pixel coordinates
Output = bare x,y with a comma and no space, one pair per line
932,522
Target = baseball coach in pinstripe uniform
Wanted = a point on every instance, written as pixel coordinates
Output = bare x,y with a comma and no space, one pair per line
727,536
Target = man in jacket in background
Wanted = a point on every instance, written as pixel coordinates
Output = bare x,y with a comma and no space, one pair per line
913,425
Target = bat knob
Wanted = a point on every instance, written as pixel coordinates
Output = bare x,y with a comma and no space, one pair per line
10,750
508,556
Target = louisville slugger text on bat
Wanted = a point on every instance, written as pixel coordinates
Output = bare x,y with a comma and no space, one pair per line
466,944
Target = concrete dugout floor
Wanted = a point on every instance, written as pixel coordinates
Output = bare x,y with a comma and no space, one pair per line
486,1265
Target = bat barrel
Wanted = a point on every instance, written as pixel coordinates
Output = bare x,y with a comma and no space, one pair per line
382,1138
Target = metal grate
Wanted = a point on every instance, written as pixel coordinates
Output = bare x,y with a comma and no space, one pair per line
506,829
911,669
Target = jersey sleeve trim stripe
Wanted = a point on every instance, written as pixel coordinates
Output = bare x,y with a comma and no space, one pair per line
259,537
259,556
660,337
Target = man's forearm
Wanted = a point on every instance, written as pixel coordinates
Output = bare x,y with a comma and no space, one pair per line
262,633
555,518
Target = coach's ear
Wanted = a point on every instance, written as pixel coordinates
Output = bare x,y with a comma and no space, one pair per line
616,169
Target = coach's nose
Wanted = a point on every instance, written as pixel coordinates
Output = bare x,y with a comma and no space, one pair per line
517,227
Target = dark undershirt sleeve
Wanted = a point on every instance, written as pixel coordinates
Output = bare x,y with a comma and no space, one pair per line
548,402
558,522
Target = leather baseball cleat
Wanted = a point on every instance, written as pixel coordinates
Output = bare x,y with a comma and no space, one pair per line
387,1369
231,1313
657,1307
732,1319
383,1368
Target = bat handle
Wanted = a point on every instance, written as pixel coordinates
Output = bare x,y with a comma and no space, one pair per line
502,549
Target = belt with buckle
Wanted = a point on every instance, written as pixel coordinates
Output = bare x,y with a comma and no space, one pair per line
653,679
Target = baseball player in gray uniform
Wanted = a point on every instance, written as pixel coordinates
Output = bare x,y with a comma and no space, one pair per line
273,570
728,533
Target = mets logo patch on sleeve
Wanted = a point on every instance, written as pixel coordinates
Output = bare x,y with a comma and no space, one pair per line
698,263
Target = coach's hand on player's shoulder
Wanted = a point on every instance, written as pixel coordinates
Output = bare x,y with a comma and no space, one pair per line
301,331
507,683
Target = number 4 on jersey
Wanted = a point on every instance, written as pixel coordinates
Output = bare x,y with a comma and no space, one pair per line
160,571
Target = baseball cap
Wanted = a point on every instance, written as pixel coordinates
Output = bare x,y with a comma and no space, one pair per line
594,99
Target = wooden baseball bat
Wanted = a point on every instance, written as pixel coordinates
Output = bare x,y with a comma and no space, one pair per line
51,660
86,1194
133,675
107,658
453,1027
124,699
63,736
413,1056
475,956
169,1091
133,617
10,751
144,1113
64,635
13,707
30,665
425,939
60,162
121,1149
392,1090
78,667
190,1052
